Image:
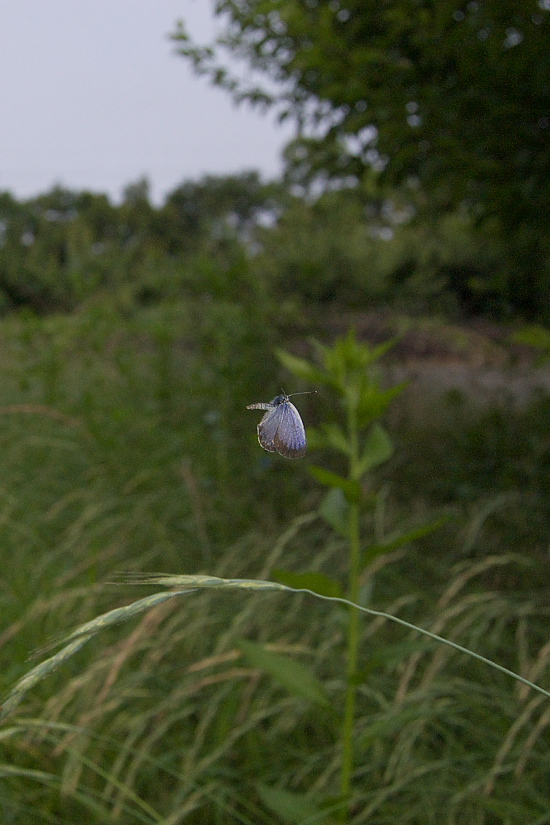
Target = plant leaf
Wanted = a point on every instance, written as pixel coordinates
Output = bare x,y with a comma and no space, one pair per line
317,582
351,488
294,676
296,808
389,725
302,368
378,449
374,402
401,539
334,509
331,435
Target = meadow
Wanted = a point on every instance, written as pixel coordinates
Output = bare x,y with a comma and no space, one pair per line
126,448
197,632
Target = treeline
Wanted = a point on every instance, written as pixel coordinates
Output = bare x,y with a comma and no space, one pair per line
65,247
238,237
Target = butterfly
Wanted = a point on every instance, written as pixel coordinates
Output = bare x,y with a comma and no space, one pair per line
281,430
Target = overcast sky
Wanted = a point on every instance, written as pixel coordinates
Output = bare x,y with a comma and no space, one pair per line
92,96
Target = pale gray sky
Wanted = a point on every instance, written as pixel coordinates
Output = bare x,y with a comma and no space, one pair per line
92,96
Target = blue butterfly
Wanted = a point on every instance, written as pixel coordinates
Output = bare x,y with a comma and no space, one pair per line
281,429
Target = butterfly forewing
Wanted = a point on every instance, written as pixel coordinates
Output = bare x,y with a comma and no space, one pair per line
290,438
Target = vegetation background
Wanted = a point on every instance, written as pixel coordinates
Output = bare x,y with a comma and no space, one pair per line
413,207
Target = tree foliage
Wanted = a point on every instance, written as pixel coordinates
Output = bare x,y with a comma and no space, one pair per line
237,237
453,95
64,247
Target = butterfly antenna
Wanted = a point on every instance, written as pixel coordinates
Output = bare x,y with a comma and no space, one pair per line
305,392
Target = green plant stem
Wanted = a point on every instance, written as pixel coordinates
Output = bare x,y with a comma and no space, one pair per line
353,623
352,654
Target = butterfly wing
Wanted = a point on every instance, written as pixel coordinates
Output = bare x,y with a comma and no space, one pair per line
267,429
281,429
289,438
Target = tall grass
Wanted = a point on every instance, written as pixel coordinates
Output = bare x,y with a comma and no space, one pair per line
125,446
173,720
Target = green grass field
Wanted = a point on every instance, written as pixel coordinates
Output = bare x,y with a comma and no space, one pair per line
126,447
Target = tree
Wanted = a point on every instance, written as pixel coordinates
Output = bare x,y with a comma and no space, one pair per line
450,97
218,208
